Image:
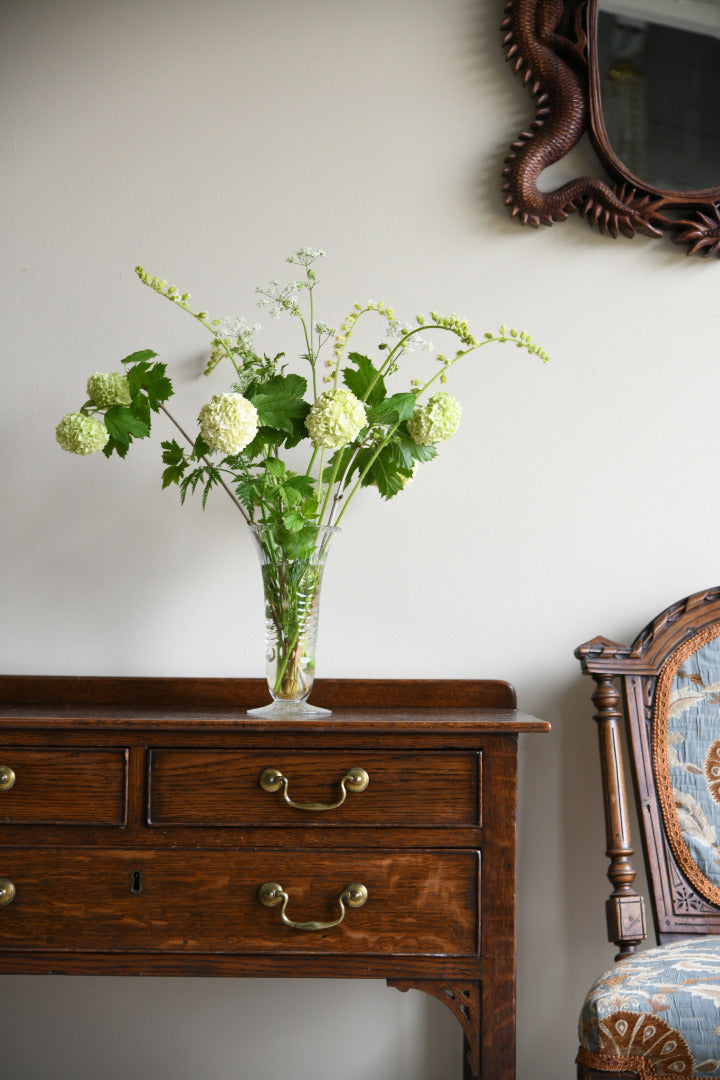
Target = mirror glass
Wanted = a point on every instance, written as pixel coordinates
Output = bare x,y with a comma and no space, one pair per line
659,78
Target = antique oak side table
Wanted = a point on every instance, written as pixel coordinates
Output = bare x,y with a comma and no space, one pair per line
151,827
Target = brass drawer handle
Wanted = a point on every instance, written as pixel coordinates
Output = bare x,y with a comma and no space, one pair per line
7,778
7,892
271,894
355,780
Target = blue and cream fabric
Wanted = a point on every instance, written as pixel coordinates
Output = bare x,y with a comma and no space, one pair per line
690,765
657,1013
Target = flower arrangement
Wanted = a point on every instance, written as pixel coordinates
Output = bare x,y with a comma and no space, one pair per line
357,433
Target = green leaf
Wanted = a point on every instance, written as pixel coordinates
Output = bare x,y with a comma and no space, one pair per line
149,382
279,403
411,450
275,467
393,410
138,357
172,475
211,481
124,425
176,461
173,453
290,496
300,483
200,449
300,543
190,483
388,471
360,378
294,521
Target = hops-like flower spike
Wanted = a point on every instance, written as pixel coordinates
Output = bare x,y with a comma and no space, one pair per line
228,423
435,421
106,389
336,418
81,434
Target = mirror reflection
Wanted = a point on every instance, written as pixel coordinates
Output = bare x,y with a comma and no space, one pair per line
659,76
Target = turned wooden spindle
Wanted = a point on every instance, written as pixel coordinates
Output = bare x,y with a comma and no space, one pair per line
624,909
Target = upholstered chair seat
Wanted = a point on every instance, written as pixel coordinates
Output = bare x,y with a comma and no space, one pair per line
657,1013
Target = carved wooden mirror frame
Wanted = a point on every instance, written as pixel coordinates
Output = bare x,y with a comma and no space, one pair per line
551,45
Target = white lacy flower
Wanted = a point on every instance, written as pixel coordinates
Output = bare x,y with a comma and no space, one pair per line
335,419
108,388
228,423
81,434
435,421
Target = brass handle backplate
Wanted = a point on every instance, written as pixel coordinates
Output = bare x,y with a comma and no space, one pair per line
7,778
355,780
7,892
271,894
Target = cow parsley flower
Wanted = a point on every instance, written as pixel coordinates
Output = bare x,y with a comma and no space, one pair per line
108,388
81,434
335,419
228,423
435,421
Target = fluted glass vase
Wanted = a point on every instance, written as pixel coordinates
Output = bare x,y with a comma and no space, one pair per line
292,568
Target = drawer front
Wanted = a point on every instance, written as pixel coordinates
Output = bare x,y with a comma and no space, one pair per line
418,903
63,786
196,787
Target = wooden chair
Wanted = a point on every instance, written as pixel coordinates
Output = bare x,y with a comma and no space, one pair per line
657,1012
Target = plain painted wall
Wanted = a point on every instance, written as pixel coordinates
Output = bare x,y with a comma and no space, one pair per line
207,141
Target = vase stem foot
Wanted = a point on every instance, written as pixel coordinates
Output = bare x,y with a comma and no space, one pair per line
289,710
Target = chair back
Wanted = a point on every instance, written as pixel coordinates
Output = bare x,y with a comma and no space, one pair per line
669,692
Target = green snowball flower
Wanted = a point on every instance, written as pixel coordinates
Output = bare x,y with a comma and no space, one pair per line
228,423
335,419
108,388
435,421
81,434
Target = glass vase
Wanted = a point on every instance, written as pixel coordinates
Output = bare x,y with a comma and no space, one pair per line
292,568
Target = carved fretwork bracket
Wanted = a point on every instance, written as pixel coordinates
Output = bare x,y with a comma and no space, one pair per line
463,1000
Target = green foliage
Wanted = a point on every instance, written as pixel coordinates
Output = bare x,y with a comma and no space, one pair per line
364,380
124,424
358,443
392,410
149,387
175,458
280,403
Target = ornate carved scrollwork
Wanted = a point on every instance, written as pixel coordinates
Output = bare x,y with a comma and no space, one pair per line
546,41
463,1000
554,67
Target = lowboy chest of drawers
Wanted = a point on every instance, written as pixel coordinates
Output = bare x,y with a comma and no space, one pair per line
151,827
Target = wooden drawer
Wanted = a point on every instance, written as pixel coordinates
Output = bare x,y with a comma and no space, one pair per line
64,786
419,903
203,787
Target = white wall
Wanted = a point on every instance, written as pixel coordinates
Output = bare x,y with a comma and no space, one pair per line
207,141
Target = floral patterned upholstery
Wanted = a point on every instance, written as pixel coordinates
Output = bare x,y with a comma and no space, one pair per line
687,762
657,1013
